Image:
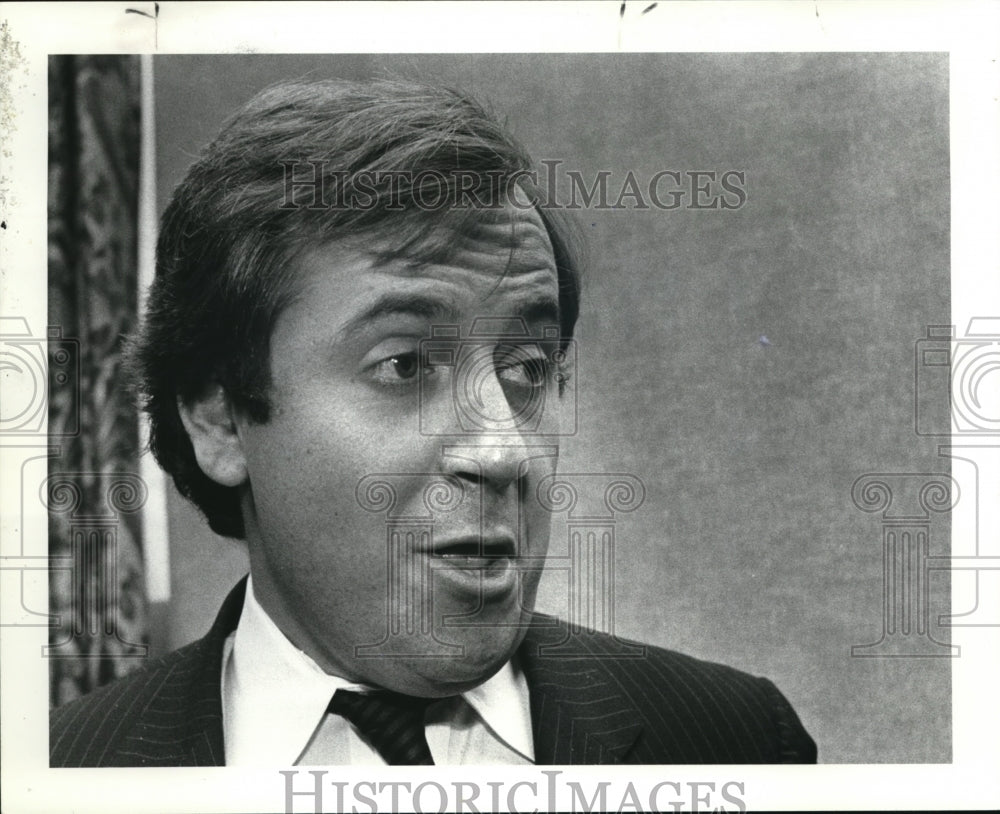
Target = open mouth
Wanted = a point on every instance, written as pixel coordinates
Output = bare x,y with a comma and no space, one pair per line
478,569
475,552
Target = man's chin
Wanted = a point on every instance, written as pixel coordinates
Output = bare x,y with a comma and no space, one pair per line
451,661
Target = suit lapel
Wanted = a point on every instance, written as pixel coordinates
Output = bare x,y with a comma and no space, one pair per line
182,726
579,712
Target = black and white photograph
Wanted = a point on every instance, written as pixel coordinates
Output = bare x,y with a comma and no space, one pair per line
397,425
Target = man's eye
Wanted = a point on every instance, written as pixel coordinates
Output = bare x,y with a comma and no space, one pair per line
400,367
523,372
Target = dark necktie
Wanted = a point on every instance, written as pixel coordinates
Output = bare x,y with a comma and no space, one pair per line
392,723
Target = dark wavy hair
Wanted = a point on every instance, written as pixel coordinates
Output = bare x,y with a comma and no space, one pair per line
229,237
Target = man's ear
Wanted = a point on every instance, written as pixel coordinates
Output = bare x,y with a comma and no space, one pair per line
211,426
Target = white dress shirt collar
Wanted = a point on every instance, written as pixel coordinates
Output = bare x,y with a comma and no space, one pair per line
275,697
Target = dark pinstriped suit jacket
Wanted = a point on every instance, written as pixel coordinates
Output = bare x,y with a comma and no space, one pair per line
601,706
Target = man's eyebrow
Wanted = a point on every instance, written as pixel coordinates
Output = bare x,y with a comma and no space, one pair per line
536,311
539,311
390,305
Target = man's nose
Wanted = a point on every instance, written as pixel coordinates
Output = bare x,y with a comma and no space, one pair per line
493,449
493,463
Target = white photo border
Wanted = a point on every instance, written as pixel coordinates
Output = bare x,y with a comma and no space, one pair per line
965,31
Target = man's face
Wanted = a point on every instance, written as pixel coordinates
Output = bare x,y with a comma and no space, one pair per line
367,584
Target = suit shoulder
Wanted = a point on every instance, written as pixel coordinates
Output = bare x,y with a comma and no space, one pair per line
693,710
691,670
687,675
741,718
86,731
649,661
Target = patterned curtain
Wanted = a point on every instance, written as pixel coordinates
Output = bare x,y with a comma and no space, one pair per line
96,582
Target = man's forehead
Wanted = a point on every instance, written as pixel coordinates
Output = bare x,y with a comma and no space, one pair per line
490,263
511,239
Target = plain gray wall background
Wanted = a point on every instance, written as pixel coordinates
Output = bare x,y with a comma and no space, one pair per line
748,549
